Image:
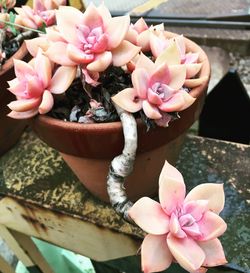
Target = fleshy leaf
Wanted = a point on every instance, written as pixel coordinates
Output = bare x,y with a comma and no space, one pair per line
101,62
128,100
150,110
124,53
186,252
170,55
116,30
140,82
214,193
172,189
155,255
211,226
47,102
214,253
62,79
149,215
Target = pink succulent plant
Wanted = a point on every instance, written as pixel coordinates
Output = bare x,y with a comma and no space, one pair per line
42,12
181,229
93,39
34,85
157,88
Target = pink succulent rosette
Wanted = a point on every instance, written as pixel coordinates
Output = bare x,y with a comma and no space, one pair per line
43,12
181,229
157,89
92,39
34,85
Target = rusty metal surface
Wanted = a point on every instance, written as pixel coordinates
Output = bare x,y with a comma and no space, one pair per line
33,173
201,8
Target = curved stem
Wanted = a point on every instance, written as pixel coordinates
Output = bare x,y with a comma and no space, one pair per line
122,165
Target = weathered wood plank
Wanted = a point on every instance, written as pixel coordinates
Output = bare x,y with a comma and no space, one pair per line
72,233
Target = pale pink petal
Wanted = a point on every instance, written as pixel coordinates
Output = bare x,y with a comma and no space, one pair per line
131,36
192,230
153,97
103,10
116,30
196,208
172,188
191,58
157,45
101,62
214,253
169,170
22,69
47,102
34,44
17,87
144,62
23,115
124,53
143,40
192,70
186,252
155,255
177,75
170,55
67,19
78,56
23,105
54,35
34,87
128,100
149,216
91,17
101,44
175,228
150,110
62,79
140,82
161,75
212,192
57,53
178,102
43,68
191,83
180,42
140,25
211,226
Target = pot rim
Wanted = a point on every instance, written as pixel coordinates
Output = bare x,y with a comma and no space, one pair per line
111,126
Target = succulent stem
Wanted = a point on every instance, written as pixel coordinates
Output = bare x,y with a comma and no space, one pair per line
122,165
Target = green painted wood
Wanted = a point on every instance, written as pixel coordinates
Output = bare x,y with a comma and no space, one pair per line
34,173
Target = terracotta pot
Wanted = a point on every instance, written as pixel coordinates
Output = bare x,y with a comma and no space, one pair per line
10,129
89,148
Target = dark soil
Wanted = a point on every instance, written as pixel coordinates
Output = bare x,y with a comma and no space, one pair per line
75,106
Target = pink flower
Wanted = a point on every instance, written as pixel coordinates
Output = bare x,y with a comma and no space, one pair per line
182,229
34,85
93,39
156,89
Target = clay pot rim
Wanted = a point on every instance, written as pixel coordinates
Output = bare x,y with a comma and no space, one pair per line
19,54
116,126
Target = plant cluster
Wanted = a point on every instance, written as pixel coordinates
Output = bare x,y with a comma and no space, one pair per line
125,68
93,45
